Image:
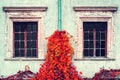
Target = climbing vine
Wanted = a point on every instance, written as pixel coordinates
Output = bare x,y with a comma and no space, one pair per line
58,65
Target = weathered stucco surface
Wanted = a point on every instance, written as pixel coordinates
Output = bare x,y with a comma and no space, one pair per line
88,67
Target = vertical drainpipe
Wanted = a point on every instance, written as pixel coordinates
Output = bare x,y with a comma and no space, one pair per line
59,15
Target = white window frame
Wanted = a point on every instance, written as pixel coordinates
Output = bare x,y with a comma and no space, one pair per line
94,14
24,14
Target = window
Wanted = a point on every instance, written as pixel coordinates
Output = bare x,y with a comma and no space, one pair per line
25,33
95,35
25,39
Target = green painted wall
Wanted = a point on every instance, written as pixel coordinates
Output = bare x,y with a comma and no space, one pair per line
50,24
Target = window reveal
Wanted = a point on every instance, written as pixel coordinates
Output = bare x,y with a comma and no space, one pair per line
95,37
25,39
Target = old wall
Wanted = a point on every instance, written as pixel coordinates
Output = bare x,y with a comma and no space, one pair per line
50,25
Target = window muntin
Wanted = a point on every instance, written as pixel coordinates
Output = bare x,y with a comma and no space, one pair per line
25,39
95,39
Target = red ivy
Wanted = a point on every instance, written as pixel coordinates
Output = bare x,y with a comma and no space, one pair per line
58,65
104,74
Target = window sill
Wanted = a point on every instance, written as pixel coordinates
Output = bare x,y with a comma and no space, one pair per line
95,59
24,59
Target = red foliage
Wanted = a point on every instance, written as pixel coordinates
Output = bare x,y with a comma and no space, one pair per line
21,75
58,65
106,74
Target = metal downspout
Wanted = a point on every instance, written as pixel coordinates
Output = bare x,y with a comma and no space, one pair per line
59,15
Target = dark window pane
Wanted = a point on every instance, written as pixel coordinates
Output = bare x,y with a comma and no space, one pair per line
21,53
29,36
34,27
16,53
85,27
16,28
97,35
86,52
91,44
97,27
103,44
102,52
90,52
103,27
22,44
34,54
23,28
17,35
86,36
91,35
88,26
86,44
97,52
29,52
29,44
34,36
29,28
97,44
33,44
103,36
22,36
16,44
